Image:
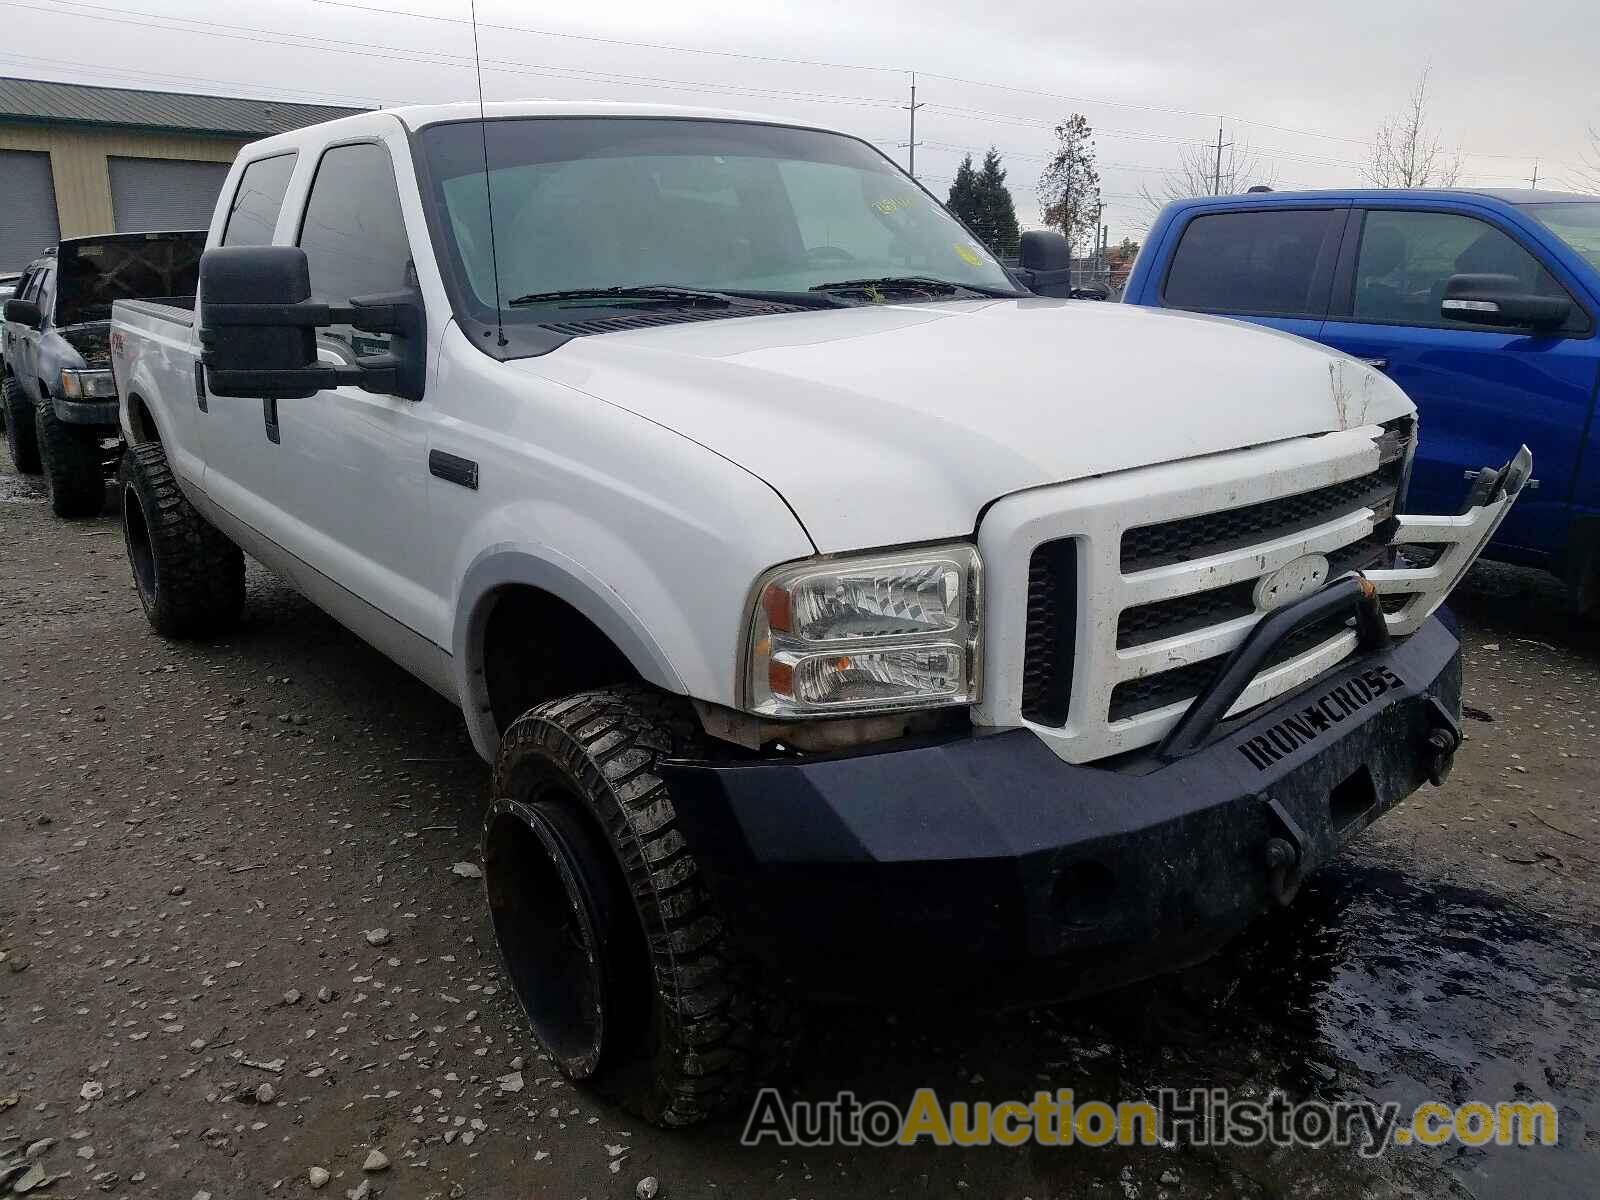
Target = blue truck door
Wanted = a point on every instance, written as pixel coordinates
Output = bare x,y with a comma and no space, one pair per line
1269,263
1480,391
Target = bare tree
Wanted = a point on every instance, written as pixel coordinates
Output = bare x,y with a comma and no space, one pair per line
1069,187
1586,176
1199,173
1407,153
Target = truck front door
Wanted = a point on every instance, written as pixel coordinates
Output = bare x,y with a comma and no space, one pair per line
1479,391
24,349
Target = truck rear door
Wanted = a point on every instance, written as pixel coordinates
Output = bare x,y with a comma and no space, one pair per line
1480,391
1268,262
340,479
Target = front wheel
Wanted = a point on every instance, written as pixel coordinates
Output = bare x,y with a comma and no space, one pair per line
74,474
190,578
20,439
606,930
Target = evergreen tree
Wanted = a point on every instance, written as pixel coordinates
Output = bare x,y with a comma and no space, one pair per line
963,199
982,200
998,225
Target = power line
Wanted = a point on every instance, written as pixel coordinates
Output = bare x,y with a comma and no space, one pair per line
583,37
334,98
1102,101
218,29
402,54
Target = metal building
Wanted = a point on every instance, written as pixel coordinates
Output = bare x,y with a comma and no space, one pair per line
78,160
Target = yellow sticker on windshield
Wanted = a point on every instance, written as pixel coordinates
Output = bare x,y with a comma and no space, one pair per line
968,255
892,204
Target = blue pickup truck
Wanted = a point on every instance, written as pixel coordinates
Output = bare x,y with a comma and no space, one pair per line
1483,305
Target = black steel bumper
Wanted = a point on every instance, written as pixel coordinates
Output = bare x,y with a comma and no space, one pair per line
986,867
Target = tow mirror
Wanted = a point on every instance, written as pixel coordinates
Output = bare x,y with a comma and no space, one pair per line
258,329
1045,262
1501,300
24,312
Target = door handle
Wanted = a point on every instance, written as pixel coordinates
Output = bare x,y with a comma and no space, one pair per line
1377,364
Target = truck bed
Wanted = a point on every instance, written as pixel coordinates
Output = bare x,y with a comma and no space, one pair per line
176,310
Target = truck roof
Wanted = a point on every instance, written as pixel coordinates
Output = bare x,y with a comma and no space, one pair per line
417,116
1364,194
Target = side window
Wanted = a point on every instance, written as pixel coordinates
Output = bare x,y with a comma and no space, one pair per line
44,293
253,214
23,284
355,237
1406,257
1263,262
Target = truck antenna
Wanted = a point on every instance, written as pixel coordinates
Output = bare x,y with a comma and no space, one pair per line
488,192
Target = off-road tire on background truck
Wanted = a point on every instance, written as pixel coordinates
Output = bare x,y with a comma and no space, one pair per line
607,933
189,576
20,439
73,463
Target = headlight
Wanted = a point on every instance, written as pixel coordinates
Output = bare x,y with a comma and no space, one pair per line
875,633
88,385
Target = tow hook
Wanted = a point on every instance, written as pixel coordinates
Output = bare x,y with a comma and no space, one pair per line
1441,742
1284,855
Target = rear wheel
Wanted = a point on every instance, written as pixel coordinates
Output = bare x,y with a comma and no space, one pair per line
74,472
610,939
20,440
190,578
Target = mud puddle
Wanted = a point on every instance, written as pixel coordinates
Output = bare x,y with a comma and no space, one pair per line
1374,985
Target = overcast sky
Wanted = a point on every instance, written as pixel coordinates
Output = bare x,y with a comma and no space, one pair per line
1304,89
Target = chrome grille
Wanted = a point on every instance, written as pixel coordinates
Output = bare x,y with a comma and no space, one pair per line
1359,510
1152,546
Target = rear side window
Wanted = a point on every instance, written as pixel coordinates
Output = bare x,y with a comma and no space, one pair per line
1262,262
355,237
253,215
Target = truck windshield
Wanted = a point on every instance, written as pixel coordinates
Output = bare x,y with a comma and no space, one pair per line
152,266
1577,223
587,204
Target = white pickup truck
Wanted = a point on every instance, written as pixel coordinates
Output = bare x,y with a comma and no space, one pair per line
832,607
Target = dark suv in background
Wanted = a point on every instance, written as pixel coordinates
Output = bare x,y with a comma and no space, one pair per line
59,398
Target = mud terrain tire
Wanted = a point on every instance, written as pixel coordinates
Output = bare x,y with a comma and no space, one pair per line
190,578
74,475
20,439
594,893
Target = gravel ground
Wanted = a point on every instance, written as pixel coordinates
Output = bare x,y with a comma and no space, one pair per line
239,943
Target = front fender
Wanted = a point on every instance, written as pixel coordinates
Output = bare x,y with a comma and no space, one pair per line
509,565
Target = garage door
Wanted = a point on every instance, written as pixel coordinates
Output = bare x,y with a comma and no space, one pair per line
163,193
27,207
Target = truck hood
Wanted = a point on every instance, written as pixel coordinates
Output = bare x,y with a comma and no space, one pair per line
898,423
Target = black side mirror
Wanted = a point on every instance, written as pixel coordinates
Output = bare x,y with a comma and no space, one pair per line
1502,301
1045,259
258,323
24,312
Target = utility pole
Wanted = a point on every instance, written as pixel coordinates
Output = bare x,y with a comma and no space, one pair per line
911,146
1534,182
1216,179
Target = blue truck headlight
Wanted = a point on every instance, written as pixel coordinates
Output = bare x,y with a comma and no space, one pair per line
88,385
865,634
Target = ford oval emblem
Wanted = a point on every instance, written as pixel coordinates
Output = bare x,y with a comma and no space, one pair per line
1290,582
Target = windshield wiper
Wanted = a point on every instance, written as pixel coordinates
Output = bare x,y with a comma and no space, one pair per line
664,294
911,283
